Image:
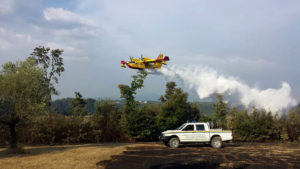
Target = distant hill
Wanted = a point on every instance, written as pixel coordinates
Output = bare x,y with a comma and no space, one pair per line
295,109
63,106
206,107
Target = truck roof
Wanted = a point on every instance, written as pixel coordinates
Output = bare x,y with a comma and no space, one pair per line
196,123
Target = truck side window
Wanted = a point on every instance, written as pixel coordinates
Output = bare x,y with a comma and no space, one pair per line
200,127
189,128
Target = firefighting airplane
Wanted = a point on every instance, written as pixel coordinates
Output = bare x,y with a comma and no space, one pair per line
145,63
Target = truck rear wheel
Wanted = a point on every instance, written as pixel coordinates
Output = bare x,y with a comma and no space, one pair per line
174,142
216,142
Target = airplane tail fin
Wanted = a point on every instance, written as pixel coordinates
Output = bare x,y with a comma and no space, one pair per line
166,58
161,59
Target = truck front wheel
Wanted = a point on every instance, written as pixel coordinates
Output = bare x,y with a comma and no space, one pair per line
216,142
174,142
167,144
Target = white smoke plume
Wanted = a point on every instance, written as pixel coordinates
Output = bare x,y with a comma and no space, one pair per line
206,81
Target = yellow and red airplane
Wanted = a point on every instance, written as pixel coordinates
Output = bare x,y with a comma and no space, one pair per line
146,63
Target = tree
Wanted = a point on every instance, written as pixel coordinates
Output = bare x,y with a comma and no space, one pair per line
106,121
170,88
26,87
175,109
293,124
52,64
221,110
241,125
23,92
128,93
259,125
142,123
78,105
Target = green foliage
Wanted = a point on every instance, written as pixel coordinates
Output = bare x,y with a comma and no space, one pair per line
206,118
175,109
58,129
206,108
50,61
256,126
143,127
26,88
106,121
128,92
295,109
78,105
61,129
221,110
293,125
22,85
170,89
22,94
63,106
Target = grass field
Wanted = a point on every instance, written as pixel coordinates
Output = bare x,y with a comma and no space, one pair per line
153,156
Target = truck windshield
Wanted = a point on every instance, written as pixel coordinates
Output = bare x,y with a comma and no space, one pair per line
179,128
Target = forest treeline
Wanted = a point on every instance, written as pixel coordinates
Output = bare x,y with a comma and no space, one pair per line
27,114
63,106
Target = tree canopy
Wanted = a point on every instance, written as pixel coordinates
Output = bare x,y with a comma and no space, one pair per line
23,92
78,105
175,109
26,87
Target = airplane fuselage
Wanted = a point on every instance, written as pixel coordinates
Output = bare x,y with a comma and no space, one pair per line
146,63
143,66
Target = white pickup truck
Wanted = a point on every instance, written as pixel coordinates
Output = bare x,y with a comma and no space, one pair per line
195,133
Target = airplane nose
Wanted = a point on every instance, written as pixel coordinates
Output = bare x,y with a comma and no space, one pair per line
123,62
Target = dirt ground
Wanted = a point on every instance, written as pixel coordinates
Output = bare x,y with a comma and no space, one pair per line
61,157
258,155
153,156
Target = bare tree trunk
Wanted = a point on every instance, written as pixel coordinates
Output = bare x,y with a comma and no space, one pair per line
13,136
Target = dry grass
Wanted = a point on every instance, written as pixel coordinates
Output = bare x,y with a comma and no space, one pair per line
245,155
64,157
153,155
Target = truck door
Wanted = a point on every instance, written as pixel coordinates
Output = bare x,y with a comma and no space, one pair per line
187,133
201,134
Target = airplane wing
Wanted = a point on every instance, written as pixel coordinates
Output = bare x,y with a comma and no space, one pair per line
147,60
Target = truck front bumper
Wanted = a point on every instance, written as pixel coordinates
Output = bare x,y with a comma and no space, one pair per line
164,138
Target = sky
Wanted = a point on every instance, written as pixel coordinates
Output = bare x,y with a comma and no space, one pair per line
254,41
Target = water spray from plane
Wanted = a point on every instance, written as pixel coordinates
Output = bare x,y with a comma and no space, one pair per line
206,82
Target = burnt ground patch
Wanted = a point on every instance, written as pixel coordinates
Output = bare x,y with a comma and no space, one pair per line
157,156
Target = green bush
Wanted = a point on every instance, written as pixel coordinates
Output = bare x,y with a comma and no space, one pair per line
142,125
